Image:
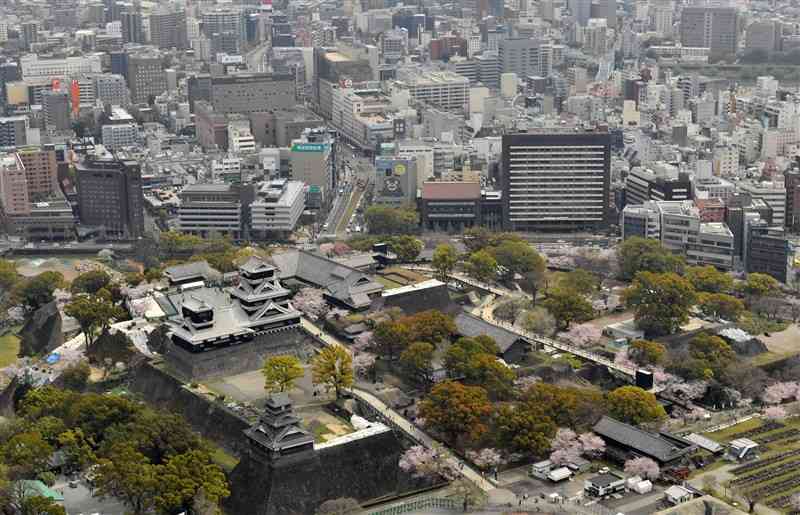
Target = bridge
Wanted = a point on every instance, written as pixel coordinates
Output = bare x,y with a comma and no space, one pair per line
469,281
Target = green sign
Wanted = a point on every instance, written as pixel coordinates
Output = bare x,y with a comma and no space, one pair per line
309,147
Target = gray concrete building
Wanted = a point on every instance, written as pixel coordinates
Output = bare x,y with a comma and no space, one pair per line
110,196
278,128
244,92
146,77
710,27
168,28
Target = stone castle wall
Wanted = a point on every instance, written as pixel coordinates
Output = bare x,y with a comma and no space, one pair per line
237,359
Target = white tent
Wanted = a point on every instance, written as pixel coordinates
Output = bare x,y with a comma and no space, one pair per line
643,487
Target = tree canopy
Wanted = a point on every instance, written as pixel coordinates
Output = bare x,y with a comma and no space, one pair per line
90,282
333,368
633,405
281,372
708,279
457,411
482,266
645,255
567,306
444,260
661,302
391,220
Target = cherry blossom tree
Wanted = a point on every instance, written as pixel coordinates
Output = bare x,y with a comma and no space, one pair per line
779,392
485,459
696,413
592,445
422,462
311,302
642,467
774,413
621,358
525,382
582,335
565,447
363,362
689,390
362,342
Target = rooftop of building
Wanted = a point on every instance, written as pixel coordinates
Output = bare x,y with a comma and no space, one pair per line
280,192
451,190
677,207
208,188
715,229
433,78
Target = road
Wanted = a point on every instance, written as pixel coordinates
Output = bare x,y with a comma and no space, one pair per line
255,58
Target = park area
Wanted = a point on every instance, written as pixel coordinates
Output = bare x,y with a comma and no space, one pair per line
771,479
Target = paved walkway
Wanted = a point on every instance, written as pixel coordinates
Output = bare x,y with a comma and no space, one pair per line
400,422
464,278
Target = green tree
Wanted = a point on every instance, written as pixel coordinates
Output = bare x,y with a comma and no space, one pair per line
77,449
128,475
134,278
709,279
281,372
645,255
35,292
456,411
567,306
8,274
581,281
661,302
430,326
91,282
444,260
76,376
27,454
710,356
486,371
760,285
39,505
417,360
175,244
633,405
646,352
406,247
458,359
391,338
482,266
93,313
538,320
518,257
720,305
524,428
333,368
184,476
391,220
568,406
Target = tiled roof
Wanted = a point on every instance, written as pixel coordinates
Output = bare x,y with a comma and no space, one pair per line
662,447
469,325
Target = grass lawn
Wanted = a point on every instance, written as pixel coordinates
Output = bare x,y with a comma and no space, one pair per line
756,324
388,283
9,349
768,357
219,456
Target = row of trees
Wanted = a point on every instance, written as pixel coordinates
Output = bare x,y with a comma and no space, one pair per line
465,416
664,290
151,461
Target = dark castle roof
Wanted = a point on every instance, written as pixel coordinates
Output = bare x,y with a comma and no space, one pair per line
663,447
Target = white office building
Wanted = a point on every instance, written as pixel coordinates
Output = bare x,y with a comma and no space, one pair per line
34,67
278,207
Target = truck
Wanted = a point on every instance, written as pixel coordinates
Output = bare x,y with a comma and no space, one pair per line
559,474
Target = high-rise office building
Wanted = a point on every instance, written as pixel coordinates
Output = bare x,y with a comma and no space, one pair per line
520,56
168,28
710,27
244,92
221,21
14,131
30,34
111,88
132,31
146,77
556,180
581,10
763,35
55,108
110,196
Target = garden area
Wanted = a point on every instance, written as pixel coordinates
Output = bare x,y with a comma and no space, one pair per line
772,478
